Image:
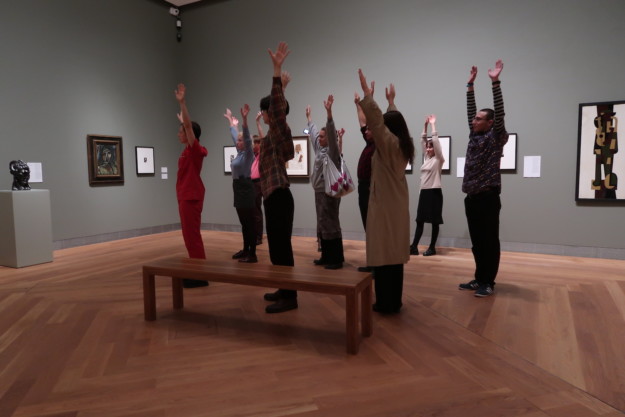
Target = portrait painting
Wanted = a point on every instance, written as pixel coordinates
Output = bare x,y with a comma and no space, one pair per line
298,166
105,159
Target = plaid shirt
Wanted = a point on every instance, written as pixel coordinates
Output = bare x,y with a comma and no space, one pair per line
482,165
276,149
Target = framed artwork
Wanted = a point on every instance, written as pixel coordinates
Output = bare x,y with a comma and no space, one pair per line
105,159
598,164
298,166
508,158
145,160
445,142
230,152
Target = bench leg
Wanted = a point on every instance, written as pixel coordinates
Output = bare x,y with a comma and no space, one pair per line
366,298
176,290
351,312
149,297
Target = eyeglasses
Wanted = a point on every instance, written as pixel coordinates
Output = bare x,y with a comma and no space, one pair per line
479,119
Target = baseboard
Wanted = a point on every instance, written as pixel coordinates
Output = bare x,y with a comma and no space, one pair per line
450,242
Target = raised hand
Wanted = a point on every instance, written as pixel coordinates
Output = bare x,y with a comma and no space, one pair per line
259,115
308,112
234,122
367,89
431,119
180,92
356,98
228,115
472,74
328,103
278,58
390,94
341,132
245,110
494,73
179,115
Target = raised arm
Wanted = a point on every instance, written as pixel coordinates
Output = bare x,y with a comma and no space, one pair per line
333,145
341,132
390,97
234,125
313,131
184,116
247,139
277,107
436,144
499,123
259,128
471,108
362,120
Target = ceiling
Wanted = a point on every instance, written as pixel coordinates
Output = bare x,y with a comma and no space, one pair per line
179,3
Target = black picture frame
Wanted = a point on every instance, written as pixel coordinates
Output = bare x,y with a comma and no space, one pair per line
598,164
144,157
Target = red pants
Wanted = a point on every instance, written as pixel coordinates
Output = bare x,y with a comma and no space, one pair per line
191,221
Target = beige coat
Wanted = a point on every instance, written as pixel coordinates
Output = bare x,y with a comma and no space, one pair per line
388,217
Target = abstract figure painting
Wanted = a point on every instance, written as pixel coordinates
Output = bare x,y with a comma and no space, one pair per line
598,166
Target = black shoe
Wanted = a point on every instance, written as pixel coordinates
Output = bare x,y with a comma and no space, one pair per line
470,286
193,283
365,269
319,261
250,259
240,254
272,296
414,250
282,305
334,266
429,252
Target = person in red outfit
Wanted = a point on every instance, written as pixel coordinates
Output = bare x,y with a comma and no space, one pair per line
189,186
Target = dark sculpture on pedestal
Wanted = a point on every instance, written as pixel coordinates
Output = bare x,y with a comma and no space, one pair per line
21,175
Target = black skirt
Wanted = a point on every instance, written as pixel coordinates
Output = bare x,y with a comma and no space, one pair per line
244,192
430,209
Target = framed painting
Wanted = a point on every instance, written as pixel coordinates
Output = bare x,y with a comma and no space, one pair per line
105,160
230,152
298,166
445,142
508,158
145,160
598,164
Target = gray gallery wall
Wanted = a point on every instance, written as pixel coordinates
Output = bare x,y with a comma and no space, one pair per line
75,67
70,68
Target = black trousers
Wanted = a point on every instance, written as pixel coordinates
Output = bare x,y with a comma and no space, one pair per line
363,200
279,210
248,228
258,211
389,286
482,212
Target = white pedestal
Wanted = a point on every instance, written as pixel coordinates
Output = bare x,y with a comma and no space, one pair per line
25,228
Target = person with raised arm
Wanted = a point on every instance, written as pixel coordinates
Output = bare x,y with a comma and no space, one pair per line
364,169
189,186
255,174
388,218
326,146
482,183
430,208
275,151
242,185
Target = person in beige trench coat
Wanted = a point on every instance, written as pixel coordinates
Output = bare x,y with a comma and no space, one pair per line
388,219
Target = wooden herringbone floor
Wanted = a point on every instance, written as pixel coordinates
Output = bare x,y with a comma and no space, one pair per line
73,341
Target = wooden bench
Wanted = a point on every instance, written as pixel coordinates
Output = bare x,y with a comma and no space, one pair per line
346,282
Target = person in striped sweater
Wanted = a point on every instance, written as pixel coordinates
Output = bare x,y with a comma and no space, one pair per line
482,183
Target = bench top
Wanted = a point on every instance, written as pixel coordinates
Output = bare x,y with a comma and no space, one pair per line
300,277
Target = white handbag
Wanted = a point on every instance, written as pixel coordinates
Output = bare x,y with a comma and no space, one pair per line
338,183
